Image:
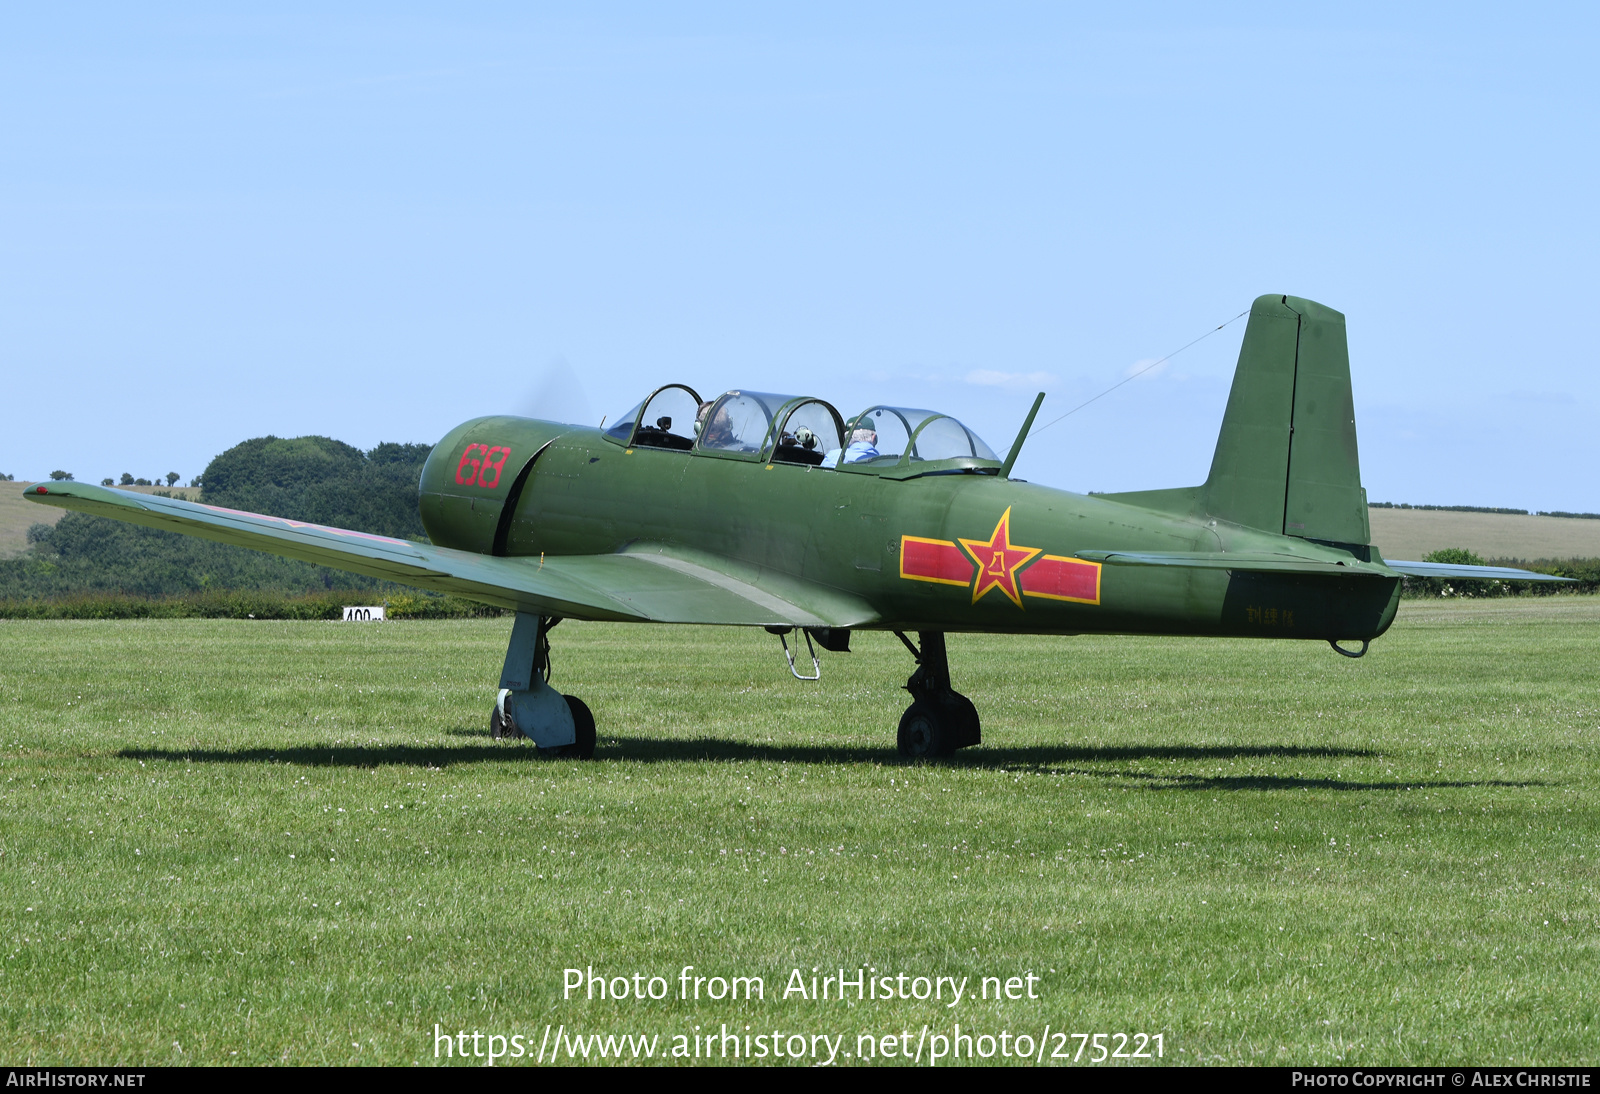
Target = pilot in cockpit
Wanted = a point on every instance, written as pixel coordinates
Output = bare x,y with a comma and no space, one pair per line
863,446
716,433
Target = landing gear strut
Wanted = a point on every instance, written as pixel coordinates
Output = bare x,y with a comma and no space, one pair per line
560,725
939,719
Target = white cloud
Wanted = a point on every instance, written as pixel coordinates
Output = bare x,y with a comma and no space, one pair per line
988,377
1147,369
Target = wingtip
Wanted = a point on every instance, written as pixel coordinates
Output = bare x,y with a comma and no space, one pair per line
44,493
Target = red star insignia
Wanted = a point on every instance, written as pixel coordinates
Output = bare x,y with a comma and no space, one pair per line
998,561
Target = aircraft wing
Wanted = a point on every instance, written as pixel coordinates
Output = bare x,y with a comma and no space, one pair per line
1295,564
646,583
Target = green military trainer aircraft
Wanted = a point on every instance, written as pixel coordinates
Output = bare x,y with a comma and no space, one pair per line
773,511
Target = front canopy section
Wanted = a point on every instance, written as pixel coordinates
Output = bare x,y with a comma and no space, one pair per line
665,419
899,442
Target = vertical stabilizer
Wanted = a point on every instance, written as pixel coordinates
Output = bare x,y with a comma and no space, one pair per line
1286,459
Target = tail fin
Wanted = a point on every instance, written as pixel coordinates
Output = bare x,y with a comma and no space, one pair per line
1286,459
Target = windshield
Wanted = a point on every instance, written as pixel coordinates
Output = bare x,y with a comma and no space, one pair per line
623,429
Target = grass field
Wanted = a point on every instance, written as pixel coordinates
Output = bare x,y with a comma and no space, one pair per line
258,842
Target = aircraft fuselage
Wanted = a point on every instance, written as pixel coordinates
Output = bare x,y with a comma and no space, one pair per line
935,552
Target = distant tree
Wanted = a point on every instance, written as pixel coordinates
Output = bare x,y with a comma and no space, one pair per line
1454,556
141,482
127,479
7,478
405,454
1458,586
61,476
198,480
172,478
107,482
84,553
322,480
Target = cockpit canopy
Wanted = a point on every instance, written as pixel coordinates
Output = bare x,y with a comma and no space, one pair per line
771,428
922,435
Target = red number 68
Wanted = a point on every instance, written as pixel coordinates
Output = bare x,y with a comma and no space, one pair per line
485,472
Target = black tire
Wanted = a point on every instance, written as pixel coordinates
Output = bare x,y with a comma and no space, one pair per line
582,747
500,728
924,734
967,730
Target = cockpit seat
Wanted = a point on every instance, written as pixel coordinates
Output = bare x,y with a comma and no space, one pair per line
793,453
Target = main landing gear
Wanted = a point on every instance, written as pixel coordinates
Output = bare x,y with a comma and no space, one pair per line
939,719
560,725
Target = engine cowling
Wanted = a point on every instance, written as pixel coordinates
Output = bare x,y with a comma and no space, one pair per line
473,478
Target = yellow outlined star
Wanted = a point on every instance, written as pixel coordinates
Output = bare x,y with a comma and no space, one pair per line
998,561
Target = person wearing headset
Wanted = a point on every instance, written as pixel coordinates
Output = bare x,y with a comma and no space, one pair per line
863,446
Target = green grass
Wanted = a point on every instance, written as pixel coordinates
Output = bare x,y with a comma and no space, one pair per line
228,841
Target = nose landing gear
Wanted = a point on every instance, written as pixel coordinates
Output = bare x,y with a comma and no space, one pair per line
939,719
527,706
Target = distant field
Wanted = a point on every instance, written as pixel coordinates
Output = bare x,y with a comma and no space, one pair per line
294,842
16,515
1413,533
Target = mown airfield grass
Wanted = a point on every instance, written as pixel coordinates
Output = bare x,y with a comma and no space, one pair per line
256,842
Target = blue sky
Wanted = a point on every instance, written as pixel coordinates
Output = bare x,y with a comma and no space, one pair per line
375,223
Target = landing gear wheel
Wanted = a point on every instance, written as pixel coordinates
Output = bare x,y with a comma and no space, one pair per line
924,732
500,727
583,726
965,727
941,719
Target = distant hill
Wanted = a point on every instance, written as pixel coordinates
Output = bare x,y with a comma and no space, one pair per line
322,480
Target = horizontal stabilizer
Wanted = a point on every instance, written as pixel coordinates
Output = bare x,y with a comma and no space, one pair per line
1294,564
1480,573
1242,561
645,584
